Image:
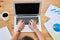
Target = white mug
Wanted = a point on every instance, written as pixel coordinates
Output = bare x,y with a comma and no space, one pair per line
5,16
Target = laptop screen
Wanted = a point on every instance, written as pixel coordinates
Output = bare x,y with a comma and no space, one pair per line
27,8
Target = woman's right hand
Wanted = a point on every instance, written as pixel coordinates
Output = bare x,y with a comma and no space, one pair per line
32,24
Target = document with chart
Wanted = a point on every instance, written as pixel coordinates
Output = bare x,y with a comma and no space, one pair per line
53,25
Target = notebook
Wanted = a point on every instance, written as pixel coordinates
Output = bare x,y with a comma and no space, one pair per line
5,34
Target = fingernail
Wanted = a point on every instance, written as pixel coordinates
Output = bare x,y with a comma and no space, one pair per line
29,23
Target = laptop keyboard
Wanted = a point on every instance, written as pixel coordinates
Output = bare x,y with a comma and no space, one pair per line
27,19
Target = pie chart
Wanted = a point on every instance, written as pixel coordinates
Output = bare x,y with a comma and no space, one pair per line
56,27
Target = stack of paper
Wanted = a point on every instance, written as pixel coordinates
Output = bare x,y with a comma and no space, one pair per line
5,34
53,25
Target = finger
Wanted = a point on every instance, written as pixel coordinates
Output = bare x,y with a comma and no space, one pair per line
21,20
33,20
30,22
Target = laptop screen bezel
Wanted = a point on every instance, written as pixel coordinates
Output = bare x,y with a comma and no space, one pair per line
27,2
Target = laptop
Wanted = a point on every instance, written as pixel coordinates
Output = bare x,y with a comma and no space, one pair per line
27,11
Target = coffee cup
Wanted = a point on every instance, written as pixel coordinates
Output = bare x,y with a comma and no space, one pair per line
5,15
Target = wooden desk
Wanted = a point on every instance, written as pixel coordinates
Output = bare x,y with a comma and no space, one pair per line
7,5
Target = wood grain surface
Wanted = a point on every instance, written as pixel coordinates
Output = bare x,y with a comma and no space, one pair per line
7,5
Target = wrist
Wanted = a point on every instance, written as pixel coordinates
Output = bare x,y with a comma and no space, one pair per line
18,31
36,29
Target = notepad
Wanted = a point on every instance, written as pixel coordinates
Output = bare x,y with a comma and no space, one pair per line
5,34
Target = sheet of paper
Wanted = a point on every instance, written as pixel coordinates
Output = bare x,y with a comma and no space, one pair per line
53,13
5,34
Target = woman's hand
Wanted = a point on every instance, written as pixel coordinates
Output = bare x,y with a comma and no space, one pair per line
33,24
34,27
21,25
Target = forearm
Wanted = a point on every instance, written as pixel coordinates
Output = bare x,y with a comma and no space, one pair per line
40,37
16,36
